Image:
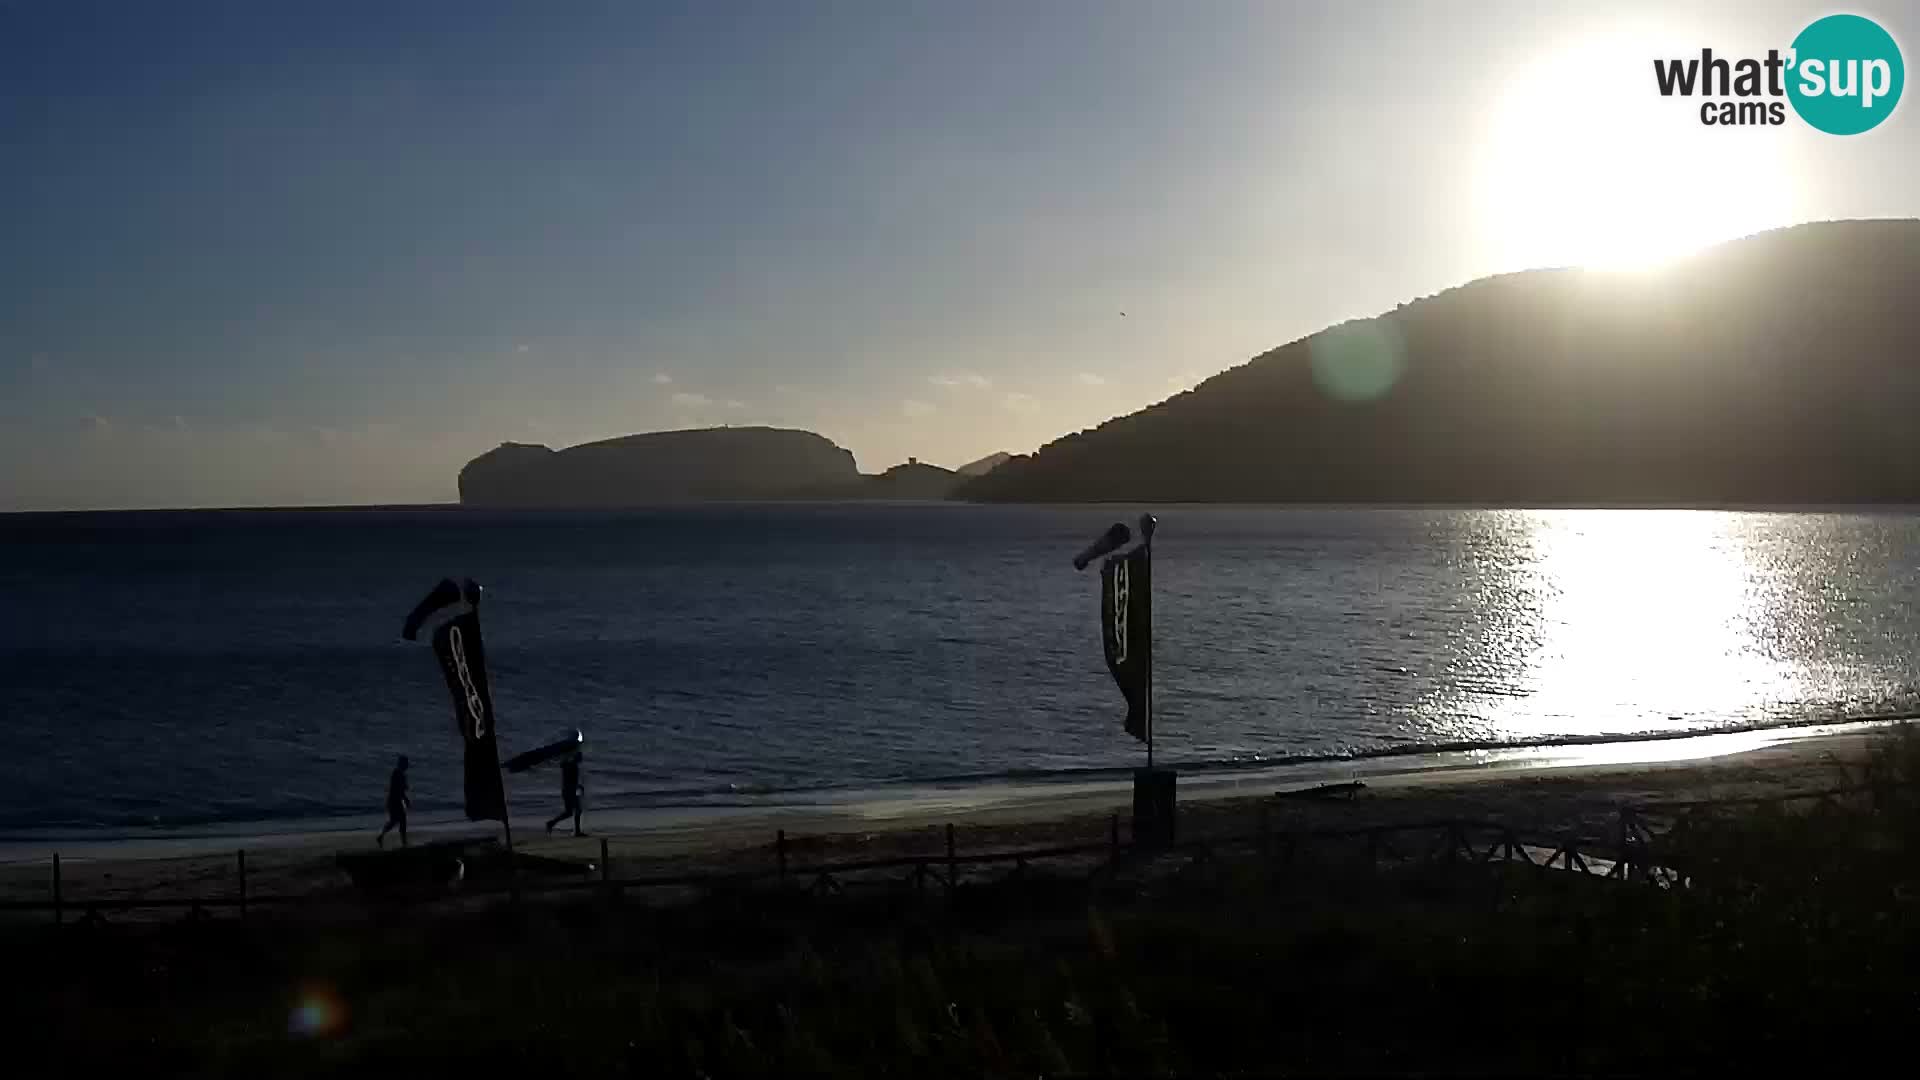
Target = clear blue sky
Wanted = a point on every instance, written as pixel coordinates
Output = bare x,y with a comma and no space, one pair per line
326,252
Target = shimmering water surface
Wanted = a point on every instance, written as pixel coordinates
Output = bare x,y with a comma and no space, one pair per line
174,669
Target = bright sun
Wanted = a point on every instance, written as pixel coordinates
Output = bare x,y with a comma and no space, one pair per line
1584,164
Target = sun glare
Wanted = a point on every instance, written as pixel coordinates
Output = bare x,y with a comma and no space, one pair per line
1646,606
1584,164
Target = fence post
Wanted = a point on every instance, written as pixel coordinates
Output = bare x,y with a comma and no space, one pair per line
1625,864
606,868
780,845
241,857
951,868
59,909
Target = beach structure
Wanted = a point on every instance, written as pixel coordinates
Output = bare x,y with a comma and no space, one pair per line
1126,638
462,653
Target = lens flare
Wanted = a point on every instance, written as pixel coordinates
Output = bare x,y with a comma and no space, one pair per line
317,1013
1358,361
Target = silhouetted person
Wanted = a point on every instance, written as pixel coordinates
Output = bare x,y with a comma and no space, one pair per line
570,794
397,804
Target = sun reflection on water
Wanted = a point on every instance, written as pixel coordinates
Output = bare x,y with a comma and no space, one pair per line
1627,619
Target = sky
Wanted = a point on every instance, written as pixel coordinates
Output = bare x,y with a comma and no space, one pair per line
324,253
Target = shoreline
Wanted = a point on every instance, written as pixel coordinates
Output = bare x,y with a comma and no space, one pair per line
1557,788
995,795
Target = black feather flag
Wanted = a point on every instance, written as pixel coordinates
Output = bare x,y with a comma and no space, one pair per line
463,662
1126,630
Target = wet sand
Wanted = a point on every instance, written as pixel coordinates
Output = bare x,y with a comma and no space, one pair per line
1556,789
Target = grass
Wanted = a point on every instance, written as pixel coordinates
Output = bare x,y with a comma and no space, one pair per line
1795,947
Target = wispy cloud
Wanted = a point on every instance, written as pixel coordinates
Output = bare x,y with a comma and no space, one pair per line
684,400
916,409
522,347
1088,378
96,423
661,378
1020,403
957,380
736,403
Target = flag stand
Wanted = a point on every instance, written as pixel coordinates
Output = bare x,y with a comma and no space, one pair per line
1153,787
461,653
1126,599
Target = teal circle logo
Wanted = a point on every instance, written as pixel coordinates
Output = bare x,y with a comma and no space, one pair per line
1846,74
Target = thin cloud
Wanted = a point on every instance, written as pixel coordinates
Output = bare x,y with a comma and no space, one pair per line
661,378
96,423
967,379
1020,403
1088,378
736,403
685,400
916,409
521,348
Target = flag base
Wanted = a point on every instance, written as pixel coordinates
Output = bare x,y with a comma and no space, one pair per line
1153,808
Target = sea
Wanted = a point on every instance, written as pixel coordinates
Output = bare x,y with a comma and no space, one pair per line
183,670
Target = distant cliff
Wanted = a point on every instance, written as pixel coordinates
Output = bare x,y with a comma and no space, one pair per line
1782,368
659,467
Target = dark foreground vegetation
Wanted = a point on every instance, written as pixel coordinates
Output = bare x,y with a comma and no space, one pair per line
1795,945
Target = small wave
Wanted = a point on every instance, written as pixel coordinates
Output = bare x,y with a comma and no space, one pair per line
748,795
763,794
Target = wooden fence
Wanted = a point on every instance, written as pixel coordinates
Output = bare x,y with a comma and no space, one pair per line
1635,851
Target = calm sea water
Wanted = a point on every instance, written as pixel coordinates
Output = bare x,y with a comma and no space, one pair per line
182,669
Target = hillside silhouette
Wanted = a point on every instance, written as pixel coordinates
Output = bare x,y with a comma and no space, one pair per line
985,465
1780,368
913,480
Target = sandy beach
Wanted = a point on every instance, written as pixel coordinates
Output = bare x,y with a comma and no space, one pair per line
1551,788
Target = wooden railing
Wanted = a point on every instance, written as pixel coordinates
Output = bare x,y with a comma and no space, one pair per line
1635,851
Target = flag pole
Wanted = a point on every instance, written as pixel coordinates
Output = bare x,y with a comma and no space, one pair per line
1147,523
472,593
1146,550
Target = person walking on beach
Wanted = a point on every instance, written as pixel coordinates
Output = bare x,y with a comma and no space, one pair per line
570,795
397,804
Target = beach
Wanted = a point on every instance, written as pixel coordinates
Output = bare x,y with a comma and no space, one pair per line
1555,790
1791,936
